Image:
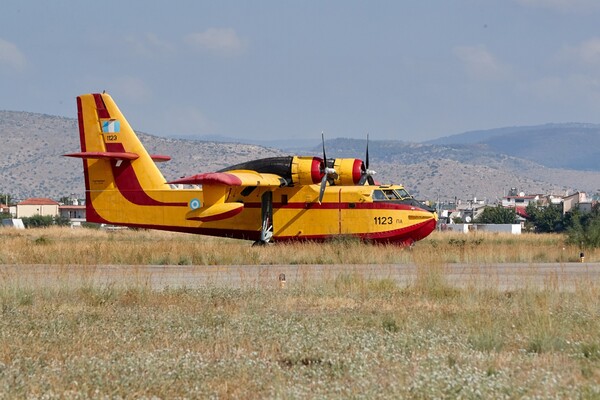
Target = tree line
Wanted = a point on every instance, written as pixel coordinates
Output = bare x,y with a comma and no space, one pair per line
581,228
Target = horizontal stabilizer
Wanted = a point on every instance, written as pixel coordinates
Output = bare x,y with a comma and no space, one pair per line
104,155
215,212
159,158
111,155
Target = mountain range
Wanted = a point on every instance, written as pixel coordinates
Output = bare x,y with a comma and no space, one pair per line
552,158
569,146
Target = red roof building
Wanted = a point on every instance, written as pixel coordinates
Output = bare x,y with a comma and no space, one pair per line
37,206
38,201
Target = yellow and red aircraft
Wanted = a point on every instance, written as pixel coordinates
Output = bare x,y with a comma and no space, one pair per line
279,198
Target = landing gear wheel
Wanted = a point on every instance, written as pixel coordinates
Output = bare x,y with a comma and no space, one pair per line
266,231
262,243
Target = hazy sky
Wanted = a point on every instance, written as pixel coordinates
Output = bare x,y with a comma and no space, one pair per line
408,70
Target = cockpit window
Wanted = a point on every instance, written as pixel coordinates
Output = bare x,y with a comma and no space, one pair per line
378,195
385,195
391,195
403,194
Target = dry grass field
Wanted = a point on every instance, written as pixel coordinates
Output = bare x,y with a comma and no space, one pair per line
62,246
347,336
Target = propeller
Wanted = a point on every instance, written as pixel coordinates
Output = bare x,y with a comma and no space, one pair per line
326,171
366,173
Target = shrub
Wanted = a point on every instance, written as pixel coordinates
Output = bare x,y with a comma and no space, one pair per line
38,221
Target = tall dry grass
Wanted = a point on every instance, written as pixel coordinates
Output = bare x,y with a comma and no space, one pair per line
92,247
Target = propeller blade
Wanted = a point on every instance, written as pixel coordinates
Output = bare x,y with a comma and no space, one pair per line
366,175
327,172
367,157
363,178
323,141
322,189
324,179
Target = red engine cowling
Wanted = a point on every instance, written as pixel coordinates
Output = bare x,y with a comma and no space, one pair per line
307,170
349,171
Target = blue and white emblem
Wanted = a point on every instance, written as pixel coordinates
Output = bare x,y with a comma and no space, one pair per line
194,204
112,126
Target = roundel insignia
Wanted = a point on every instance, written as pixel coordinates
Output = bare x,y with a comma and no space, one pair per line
194,204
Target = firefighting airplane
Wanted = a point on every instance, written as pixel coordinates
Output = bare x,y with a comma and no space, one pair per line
273,199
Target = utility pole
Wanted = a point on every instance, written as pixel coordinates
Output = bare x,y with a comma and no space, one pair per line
437,206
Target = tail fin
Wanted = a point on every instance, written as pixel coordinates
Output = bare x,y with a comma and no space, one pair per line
114,159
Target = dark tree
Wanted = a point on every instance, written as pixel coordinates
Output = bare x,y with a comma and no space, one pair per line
546,219
6,198
583,229
497,215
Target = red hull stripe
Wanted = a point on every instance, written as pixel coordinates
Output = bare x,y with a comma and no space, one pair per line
409,234
338,206
398,236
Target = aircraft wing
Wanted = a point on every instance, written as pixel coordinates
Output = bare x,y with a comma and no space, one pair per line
215,184
233,178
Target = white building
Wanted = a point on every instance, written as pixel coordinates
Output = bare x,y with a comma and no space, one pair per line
37,206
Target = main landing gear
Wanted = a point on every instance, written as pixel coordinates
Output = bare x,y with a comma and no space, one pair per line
266,231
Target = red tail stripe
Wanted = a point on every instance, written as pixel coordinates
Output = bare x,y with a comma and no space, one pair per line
101,107
128,183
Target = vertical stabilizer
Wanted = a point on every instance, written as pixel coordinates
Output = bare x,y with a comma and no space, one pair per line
104,129
114,159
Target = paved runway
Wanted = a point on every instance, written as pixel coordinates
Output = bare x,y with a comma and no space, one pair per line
556,276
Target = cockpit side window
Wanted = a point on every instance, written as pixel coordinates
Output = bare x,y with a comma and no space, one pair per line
378,195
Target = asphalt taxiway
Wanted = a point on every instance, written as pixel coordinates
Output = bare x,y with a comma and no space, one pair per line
555,276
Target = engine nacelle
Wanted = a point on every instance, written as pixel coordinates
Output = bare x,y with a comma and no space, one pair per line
303,170
349,171
307,170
